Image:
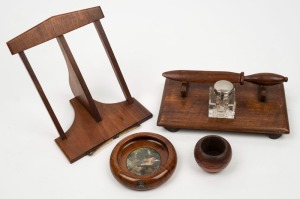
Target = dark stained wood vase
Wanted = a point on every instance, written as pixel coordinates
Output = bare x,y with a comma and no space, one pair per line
212,153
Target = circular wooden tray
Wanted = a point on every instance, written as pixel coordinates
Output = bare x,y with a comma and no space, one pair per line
143,161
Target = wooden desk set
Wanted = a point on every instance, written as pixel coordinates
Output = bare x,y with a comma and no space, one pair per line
260,103
145,160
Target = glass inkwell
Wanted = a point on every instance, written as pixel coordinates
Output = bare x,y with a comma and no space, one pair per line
222,100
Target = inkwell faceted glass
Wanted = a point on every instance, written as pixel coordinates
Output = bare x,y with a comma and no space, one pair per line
222,100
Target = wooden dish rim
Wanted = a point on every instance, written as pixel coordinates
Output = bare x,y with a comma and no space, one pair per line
149,181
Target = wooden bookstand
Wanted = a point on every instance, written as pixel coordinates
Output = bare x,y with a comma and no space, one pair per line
260,103
95,122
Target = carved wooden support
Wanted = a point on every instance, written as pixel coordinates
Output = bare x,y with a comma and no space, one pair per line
184,89
89,130
77,83
262,93
113,61
42,95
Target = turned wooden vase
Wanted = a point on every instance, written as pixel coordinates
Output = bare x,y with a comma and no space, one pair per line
212,153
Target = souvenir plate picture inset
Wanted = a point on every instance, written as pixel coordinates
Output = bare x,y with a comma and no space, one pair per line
143,161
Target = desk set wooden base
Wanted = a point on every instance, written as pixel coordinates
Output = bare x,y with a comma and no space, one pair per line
260,103
95,123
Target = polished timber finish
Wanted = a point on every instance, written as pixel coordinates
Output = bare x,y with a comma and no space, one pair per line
252,114
95,123
212,153
121,157
265,79
54,27
77,83
85,135
42,95
113,61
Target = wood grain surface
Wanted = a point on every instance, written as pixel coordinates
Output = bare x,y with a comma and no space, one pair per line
213,153
133,142
54,27
86,135
265,79
252,115
95,123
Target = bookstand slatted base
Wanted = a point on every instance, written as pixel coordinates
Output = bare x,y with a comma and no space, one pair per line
86,135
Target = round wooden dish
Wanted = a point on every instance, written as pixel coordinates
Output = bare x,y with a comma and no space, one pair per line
143,161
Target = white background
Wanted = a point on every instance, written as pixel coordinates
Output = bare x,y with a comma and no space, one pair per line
148,38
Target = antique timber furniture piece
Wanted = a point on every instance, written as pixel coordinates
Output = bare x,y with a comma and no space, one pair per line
95,123
212,153
143,161
260,102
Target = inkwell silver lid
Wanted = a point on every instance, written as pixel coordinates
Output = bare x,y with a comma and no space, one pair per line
223,88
